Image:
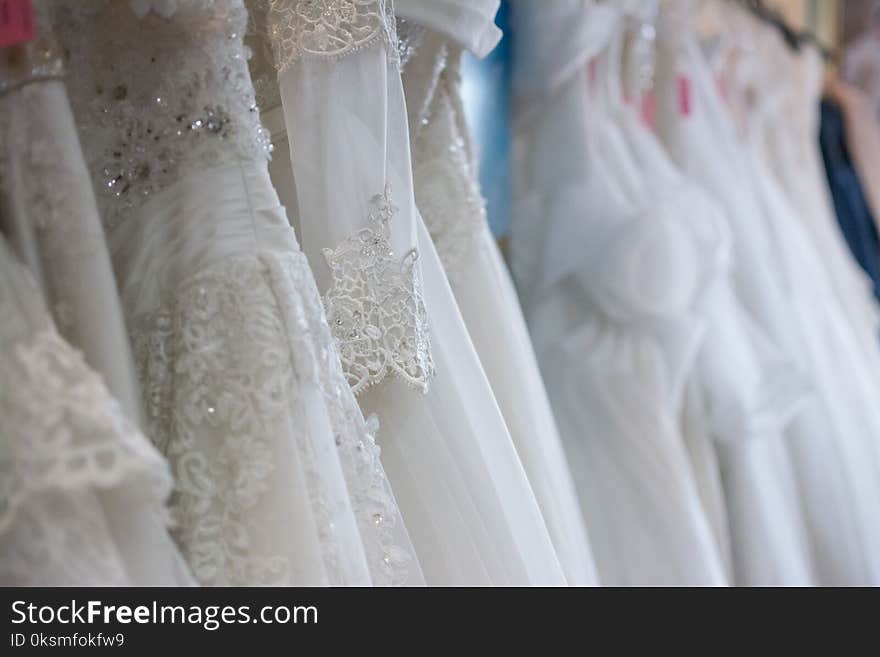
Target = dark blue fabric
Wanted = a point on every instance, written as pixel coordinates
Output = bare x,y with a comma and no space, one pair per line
850,205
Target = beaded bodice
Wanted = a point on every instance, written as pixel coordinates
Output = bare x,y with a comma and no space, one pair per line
158,89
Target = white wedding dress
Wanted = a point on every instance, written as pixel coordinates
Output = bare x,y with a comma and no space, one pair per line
610,286
748,392
82,492
789,144
463,493
277,474
780,279
448,197
50,217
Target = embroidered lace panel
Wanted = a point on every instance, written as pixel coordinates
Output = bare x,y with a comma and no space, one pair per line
375,306
223,372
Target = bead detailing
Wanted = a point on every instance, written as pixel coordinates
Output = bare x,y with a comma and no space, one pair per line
409,38
180,100
375,306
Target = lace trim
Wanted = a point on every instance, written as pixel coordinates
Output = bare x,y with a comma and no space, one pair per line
66,431
327,28
223,373
375,307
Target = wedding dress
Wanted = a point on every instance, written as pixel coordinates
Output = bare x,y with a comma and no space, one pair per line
448,197
277,474
746,387
776,268
49,212
610,282
463,493
82,491
789,145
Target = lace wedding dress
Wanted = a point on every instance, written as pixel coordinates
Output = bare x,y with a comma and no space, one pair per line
464,495
277,474
448,197
609,282
82,492
779,278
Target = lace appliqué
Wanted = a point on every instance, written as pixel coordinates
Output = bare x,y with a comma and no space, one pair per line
216,379
375,307
327,28
223,372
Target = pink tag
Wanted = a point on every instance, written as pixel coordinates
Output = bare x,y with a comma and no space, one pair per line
684,95
16,22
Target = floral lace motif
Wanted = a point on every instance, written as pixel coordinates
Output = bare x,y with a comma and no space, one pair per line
180,99
327,28
223,372
375,306
216,380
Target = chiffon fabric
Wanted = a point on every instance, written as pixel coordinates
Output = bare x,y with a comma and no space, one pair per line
448,197
780,278
462,489
277,474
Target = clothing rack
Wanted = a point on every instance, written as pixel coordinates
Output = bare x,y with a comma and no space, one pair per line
794,38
